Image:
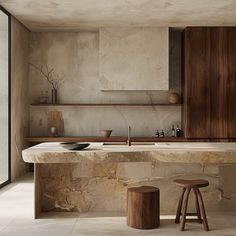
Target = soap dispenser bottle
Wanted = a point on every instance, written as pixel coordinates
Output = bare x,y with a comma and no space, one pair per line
162,134
178,131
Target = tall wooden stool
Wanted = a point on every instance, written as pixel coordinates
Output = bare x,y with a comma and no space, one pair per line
187,185
143,207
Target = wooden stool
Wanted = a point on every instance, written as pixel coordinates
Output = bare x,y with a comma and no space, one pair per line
200,209
143,207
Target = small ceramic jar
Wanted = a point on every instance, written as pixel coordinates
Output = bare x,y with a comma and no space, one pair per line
173,98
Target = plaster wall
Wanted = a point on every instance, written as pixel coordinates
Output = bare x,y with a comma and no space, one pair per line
84,14
134,58
19,97
75,56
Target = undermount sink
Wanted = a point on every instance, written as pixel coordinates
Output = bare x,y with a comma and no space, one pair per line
132,143
113,143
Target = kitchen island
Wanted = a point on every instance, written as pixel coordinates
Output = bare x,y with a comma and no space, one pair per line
96,179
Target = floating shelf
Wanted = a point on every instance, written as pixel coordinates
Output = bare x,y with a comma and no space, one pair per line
38,139
99,104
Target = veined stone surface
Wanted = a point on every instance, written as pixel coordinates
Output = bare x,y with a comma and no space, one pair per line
97,179
64,189
99,153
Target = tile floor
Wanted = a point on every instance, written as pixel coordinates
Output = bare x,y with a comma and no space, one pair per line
16,218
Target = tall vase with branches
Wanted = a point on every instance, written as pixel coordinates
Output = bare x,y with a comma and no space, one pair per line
52,78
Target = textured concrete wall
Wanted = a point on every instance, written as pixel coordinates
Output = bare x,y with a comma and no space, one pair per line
76,56
19,96
134,58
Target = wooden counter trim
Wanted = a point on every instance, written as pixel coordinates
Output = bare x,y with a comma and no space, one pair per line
105,104
40,139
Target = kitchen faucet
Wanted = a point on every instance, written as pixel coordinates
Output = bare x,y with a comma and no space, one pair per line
129,136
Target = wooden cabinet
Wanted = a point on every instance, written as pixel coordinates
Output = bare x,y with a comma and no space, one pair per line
209,109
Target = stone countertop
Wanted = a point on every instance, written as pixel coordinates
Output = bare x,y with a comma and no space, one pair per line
214,153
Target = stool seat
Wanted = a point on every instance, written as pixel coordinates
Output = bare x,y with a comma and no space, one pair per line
143,189
192,183
143,207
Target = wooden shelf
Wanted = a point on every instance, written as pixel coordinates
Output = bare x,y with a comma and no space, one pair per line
39,139
99,104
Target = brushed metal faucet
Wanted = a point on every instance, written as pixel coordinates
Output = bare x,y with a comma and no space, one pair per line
129,136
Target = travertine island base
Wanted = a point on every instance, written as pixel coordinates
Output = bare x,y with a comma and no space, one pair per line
96,179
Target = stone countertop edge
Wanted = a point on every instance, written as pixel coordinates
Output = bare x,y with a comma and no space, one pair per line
53,153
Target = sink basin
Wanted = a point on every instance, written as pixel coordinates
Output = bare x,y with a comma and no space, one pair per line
143,143
132,143
113,143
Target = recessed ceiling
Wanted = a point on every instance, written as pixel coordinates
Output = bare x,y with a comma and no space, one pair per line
85,14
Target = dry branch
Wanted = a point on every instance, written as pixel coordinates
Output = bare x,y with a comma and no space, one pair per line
50,75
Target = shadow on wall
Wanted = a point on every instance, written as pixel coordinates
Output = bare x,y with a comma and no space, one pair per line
175,59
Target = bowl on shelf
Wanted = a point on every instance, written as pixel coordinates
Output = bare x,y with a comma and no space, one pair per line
74,145
106,133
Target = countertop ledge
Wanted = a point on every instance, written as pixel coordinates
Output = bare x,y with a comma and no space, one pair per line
212,153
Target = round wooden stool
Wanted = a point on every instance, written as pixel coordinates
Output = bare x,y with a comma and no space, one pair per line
143,207
187,185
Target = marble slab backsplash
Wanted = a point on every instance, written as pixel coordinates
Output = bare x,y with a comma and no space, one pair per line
87,121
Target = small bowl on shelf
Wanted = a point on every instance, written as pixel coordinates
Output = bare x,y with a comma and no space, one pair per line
106,133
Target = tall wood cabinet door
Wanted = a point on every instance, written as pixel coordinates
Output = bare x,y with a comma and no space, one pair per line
196,107
209,109
230,83
217,86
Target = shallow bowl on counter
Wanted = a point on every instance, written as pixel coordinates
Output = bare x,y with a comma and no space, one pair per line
106,133
74,145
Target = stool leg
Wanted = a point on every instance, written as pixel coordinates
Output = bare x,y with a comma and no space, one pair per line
197,205
184,210
178,213
203,212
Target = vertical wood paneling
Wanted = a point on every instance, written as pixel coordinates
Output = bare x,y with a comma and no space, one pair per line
209,70
230,84
197,80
